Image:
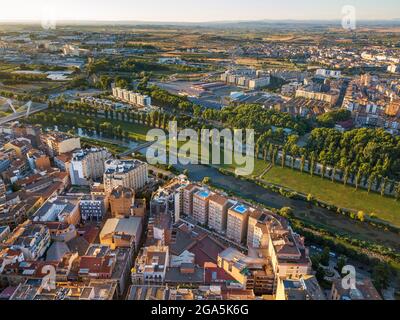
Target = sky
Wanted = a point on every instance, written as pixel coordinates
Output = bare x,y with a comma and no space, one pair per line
195,10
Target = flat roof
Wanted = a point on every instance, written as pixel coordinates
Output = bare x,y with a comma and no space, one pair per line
240,208
203,194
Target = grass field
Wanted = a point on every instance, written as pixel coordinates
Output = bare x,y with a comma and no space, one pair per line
136,131
337,194
259,167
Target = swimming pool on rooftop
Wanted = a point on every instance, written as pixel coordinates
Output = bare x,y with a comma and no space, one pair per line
203,193
240,208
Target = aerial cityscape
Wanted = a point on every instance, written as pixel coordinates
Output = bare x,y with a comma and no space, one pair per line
251,153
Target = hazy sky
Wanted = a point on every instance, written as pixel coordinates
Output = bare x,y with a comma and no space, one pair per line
195,10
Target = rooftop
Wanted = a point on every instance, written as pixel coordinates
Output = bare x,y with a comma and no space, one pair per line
240,208
204,194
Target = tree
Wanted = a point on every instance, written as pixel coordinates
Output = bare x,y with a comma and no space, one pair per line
325,256
361,216
316,264
283,160
397,191
302,163
381,276
371,180
341,263
286,212
333,174
273,157
206,180
104,82
312,165
383,186
323,170
346,175
292,161
358,178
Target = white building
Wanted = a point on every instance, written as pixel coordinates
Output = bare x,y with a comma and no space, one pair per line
328,73
131,97
87,165
126,173
62,209
393,68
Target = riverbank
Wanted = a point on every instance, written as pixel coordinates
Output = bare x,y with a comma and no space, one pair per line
385,208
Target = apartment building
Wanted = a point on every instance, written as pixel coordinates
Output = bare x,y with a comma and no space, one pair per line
38,160
252,273
125,173
123,203
151,266
237,222
93,207
289,256
188,193
131,97
218,212
257,231
122,232
329,97
248,78
21,146
4,232
59,143
200,206
364,290
32,239
393,68
3,191
305,288
328,73
62,209
87,165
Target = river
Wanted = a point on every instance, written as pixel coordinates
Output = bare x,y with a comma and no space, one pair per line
250,190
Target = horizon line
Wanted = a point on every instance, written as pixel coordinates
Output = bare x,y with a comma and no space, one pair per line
29,20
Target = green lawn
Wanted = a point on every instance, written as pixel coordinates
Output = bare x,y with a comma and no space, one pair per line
259,167
337,194
113,148
136,131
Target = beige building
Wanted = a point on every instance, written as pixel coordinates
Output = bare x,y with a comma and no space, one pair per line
151,266
123,203
218,212
188,199
59,143
238,217
257,230
289,256
252,273
21,146
122,232
38,160
200,206
330,98
125,173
